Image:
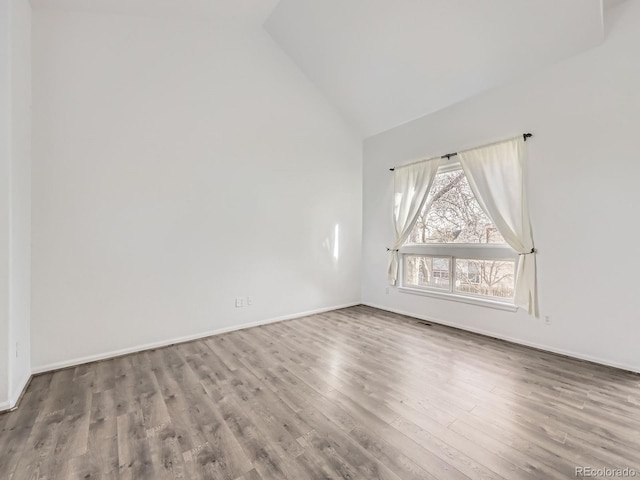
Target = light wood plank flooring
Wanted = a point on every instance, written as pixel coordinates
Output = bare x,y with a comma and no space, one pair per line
356,393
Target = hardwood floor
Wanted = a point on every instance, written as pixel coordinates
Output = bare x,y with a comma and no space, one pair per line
356,393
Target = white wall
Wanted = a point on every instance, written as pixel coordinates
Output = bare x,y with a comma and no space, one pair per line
178,165
15,198
20,277
583,176
5,172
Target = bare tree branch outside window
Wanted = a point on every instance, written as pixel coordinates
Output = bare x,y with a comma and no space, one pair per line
455,216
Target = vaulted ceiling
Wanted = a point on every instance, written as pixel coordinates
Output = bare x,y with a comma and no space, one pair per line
383,63
386,62
211,10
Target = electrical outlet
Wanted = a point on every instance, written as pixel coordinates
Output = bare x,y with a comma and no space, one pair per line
386,290
249,301
547,320
239,302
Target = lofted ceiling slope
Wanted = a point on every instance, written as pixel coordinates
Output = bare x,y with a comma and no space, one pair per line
212,10
383,63
386,62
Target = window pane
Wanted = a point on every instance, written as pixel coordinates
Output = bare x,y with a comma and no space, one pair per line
426,271
455,215
491,278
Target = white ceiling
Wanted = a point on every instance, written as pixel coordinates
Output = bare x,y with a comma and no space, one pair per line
386,62
216,10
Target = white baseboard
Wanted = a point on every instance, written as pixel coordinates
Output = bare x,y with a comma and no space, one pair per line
164,343
486,333
13,399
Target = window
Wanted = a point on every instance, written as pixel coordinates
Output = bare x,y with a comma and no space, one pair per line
427,271
455,250
491,278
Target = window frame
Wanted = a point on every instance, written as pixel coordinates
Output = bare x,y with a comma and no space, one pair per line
454,251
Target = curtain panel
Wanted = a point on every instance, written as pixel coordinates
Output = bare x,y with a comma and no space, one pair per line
411,186
496,176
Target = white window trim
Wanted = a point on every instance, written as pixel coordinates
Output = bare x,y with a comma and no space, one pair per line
453,251
479,251
473,300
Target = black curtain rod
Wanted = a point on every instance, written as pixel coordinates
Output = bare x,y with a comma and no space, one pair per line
449,155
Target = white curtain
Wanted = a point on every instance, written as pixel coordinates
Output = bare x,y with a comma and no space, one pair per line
411,185
496,177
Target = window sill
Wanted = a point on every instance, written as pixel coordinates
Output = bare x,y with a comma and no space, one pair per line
482,302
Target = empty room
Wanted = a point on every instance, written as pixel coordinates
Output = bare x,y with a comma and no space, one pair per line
319,239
